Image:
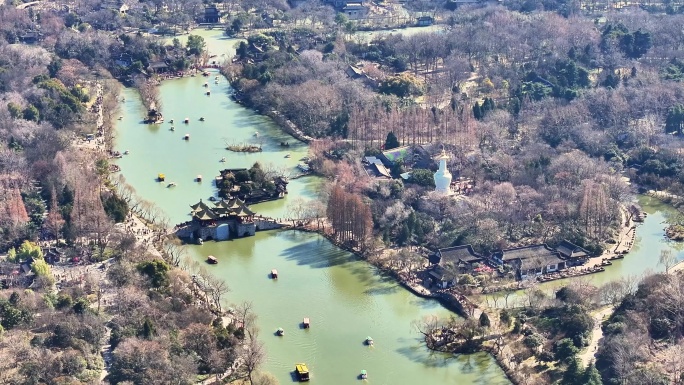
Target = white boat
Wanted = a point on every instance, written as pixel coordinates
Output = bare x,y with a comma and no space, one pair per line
171,121
256,134
120,117
126,152
186,137
280,332
223,160
172,184
287,155
369,341
173,128
202,119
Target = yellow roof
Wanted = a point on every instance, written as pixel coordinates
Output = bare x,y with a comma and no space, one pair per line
301,368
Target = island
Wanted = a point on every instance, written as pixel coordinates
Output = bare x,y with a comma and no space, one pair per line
253,185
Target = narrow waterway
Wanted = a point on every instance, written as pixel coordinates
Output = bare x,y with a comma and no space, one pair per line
642,259
346,299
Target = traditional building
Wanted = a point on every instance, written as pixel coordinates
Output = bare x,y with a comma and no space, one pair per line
211,14
530,260
464,258
227,219
443,176
573,254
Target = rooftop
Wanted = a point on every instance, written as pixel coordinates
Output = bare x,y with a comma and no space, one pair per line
234,207
568,249
463,253
525,252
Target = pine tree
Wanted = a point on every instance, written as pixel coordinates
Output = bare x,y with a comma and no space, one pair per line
391,141
484,320
592,376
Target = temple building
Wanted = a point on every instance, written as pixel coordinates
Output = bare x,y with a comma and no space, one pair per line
443,176
225,220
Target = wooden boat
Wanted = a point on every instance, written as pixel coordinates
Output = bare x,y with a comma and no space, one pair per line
369,341
306,323
274,274
302,372
161,177
363,375
212,260
280,332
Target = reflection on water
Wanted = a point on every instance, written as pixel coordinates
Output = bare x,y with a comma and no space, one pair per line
346,299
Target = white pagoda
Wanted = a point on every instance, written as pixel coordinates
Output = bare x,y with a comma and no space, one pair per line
443,176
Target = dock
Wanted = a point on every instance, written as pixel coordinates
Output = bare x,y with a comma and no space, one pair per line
274,274
306,323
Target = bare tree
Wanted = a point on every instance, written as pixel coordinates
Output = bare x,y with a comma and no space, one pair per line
667,259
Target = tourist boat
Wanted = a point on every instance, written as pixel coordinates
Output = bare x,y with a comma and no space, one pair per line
306,323
186,120
171,121
206,84
161,177
302,372
369,341
126,152
202,119
223,160
171,184
200,241
173,128
280,332
364,374
287,155
186,137
199,178
274,273
208,93
212,260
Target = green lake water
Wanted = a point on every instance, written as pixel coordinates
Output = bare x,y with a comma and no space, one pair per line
642,259
346,298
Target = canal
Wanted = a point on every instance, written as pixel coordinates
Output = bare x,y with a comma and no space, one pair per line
346,298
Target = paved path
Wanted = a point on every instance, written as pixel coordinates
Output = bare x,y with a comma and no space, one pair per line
596,334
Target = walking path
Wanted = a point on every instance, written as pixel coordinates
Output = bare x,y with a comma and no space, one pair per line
596,334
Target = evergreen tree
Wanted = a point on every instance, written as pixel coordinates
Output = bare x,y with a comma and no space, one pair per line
404,235
484,320
592,376
391,141
674,122
574,375
477,111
